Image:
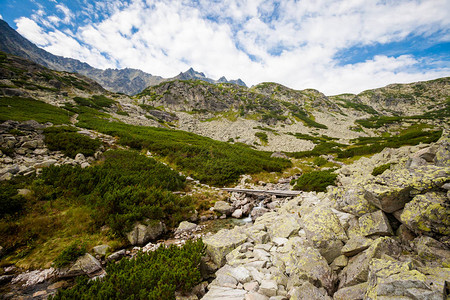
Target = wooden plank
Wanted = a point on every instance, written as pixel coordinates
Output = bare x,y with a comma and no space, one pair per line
269,192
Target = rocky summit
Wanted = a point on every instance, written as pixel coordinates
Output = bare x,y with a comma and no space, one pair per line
378,237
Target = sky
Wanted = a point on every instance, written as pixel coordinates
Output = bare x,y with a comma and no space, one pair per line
330,45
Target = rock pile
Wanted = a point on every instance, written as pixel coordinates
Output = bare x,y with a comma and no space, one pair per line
23,150
380,237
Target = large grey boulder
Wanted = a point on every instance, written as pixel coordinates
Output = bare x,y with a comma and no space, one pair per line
185,226
223,207
351,200
375,224
388,198
309,291
355,292
356,245
284,226
428,213
101,249
222,243
389,279
86,264
145,231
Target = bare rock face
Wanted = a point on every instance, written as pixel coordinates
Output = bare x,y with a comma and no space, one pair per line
145,231
86,264
375,224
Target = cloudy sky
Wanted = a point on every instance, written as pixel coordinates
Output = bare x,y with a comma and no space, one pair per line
333,46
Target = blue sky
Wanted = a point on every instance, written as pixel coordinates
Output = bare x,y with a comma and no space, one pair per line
333,46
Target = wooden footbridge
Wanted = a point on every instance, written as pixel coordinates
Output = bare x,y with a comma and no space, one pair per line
278,193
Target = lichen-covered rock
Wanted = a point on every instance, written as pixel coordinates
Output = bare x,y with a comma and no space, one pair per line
223,207
357,269
355,292
101,249
352,200
375,223
432,252
356,245
308,291
185,226
324,230
388,198
311,266
442,157
394,279
222,243
86,264
145,231
225,293
284,226
429,213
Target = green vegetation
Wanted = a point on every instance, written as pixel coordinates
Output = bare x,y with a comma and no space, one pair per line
67,140
380,169
210,161
356,106
96,101
70,254
24,109
319,161
153,275
320,149
10,202
262,137
127,187
371,145
315,181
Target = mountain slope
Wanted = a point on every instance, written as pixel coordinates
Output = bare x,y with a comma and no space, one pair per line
127,81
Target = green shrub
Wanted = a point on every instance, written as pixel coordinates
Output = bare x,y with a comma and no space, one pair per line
262,137
315,181
70,254
153,275
69,142
24,109
10,201
96,101
127,187
380,169
319,161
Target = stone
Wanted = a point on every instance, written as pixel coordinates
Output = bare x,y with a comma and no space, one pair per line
428,213
393,279
237,213
279,155
32,278
357,269
116,255
324,230
309,291
355,292
431,251
85,165
145,231
352,200
222,243
86,264
45,164
387,198
268,288
405,235
375,223
101,249
442,157
252,286
33,144
39,294
79,158
225,293
185,226
341,261
223,207
58,285
240,273
279,241
255,296
285,226
356,245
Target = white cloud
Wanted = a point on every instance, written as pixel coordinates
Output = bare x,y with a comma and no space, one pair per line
291,42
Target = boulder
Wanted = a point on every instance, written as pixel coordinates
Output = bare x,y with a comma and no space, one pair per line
223,207
357,270
268,288
145,231
86,264
222,243
285,226
352,200
279,155
428,213
45,164
225,293
442,157
31,278
393,279
309,291
355,292
185,226
375,223
324,230
79,158
116,255
388,198
237,213
356,245
101,249
432,252
256,296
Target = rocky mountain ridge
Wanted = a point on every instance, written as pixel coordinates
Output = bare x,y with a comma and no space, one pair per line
128,81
